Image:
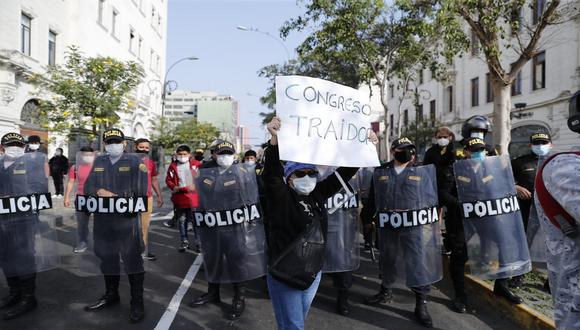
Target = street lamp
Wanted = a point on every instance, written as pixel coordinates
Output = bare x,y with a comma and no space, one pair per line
253,29
169,85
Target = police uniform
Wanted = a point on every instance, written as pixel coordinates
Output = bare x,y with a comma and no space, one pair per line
19,177
524,168
118,235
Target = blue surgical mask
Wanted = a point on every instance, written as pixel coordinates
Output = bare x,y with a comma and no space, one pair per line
541,149
478,155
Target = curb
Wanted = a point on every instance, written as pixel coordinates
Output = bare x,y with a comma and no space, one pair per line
522,315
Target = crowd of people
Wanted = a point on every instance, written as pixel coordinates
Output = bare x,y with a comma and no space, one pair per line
289,222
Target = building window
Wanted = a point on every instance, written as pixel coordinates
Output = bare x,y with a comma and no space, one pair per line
25,26
539,71
474,44
139,47
114,23
432,111
131,40
406,118
488,88
51,48
391,91
392,127
450,98
101,10
420,113
474,92
517,85
538,10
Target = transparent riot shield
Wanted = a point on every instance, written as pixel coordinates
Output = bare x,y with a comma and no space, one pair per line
110,196
230,225
342,241
536,239
28,240
492,221
409,230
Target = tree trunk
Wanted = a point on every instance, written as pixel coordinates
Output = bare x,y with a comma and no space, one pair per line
501,116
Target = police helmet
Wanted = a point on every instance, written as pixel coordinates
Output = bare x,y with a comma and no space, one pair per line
574,113
477,122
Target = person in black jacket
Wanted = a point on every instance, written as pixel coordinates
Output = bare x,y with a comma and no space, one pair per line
295,200
58,165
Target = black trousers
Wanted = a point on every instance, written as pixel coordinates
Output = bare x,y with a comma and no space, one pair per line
341,280
454,241
118,237
58,183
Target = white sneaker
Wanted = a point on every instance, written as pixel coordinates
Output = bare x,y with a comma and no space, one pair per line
54,196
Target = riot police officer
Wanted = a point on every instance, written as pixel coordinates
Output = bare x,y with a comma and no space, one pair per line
117,233
404,196
476,126
233,251
25,177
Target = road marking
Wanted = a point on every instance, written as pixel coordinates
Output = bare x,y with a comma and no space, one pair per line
171,310
156,217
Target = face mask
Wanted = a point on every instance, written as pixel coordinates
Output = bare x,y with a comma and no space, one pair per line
114,150
304,185
404,156
183,159
33,146
478,155
225,160
199,158
477,135
250,163
13,152
88,159
58,153
442,142
541,149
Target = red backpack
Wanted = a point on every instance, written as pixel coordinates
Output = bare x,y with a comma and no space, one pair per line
552,209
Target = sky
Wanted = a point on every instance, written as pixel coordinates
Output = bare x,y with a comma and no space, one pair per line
229,58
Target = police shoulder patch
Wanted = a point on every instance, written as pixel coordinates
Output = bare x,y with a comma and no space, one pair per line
207,182
143,168
459,153
464,179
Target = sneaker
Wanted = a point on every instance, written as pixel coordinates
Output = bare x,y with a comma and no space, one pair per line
80,248
59,196
55,196
184,245
196,249
149,256
169,223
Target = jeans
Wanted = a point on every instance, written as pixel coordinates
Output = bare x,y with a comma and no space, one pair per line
184,217
82,226
291,305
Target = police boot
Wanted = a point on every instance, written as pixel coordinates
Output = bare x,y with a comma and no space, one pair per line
342,305
14,294
27,301
212,295
137,308
111,296
501,288
516,282
239,301
384,296
460,304
421,310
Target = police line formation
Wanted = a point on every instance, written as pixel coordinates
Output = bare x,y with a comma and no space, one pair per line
290,222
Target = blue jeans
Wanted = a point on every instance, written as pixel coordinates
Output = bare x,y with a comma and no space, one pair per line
291,305
184,217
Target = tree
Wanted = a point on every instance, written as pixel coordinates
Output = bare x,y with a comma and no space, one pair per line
86,92
421,131
190,132
373,40
507,38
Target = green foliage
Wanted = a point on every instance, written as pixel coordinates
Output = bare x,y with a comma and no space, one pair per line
86,91
421,132
189,132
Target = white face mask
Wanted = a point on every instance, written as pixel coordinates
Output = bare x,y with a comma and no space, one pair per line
13,152
478,135
183,159
442,142
33,146
58,153
88,159
225,160
304,185
115,149
250,163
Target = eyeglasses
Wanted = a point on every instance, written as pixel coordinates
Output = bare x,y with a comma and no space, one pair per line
301,174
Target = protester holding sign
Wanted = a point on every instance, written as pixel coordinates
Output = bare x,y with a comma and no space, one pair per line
404,197
298,230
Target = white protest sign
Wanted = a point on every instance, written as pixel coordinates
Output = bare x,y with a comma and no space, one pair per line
323,123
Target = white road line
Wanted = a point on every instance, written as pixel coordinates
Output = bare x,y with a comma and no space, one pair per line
171,310
157,217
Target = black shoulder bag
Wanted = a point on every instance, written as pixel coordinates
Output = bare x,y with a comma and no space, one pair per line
300,262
